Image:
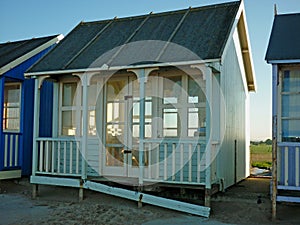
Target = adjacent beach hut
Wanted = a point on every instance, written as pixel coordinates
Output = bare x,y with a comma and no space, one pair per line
16,101
155,99
284,54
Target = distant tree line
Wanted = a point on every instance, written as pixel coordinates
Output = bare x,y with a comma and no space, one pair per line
266,142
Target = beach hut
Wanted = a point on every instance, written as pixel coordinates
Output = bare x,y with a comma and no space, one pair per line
16,103
283,54
154,100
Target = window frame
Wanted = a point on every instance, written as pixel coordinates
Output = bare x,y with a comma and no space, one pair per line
281,94
4,118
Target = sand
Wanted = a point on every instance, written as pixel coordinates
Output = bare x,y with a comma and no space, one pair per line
59,205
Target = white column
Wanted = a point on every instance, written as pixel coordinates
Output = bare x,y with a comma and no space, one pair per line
35,123
85,84
142,75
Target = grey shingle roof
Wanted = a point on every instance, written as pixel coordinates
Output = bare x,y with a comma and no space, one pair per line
203,31
13,50
284,42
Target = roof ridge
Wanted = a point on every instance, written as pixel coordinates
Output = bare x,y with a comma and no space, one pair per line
183,10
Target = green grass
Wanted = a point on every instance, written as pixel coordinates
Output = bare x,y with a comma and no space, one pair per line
261,149
262,165
261,155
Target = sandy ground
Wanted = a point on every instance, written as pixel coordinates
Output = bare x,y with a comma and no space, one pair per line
59,205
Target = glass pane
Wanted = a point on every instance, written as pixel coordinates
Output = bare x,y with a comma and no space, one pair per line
291,81
116,90
193,118
12,113
135,158
291,105
195,92
93,94
172,89
114,156
290,130
69,93
12,124
68,123
92,122
170,122
115,134
115,112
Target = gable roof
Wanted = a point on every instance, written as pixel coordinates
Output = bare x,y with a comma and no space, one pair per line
284,43
14,53
202,32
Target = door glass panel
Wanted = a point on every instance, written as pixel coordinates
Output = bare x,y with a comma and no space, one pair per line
115,134
68,123
114,156
195,92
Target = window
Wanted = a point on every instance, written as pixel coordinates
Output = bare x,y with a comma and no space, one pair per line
70,109
290,110
183,107
12,107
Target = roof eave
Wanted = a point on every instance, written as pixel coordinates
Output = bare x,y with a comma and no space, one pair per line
30,54
283,61
116,68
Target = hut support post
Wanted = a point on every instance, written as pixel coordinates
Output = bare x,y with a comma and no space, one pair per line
274,139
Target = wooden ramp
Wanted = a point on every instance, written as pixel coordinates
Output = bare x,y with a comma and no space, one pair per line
149,199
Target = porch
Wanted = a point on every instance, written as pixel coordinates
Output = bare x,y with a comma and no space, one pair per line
288,164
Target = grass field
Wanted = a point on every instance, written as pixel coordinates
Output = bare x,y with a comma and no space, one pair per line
261,155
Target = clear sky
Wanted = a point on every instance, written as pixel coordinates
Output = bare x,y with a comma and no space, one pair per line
23,19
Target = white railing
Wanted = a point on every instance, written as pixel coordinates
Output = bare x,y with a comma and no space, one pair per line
175,161
59,156
11,150
289,165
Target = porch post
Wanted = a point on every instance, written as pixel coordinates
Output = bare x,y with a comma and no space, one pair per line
274,138
35,131
2,81
210,129
85,84
142,75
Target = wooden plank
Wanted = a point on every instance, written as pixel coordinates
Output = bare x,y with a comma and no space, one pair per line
16,150
149,199
41,156
10,174
173,161
11,150
288,199
5,150
47,155
165,160
181,161
286,166
198,163
67,182
297,166
190,162
71,157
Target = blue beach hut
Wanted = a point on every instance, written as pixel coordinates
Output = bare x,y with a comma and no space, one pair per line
16,103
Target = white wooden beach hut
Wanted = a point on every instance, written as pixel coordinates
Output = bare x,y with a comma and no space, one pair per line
155,99
284,54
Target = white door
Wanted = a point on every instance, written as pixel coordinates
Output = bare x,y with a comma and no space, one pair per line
121,155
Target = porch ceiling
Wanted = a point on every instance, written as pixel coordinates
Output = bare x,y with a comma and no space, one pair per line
177,36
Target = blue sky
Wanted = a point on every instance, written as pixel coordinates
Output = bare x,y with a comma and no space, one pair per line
21,19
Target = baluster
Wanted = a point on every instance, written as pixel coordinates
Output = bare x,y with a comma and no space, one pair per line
198,163
165,160
190,162
181,161
77,156
173,161
41,156
65,156
47,155
71,156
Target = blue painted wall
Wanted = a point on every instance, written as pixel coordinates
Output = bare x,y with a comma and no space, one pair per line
27,101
